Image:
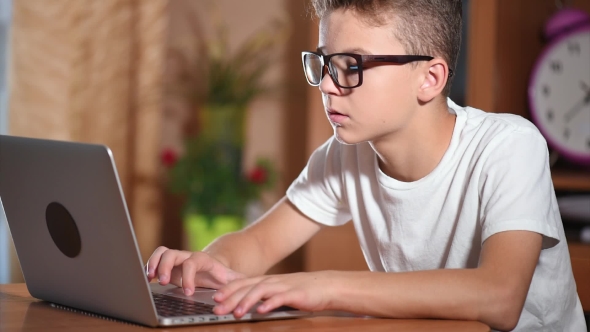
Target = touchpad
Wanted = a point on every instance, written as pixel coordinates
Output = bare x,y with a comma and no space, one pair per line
204,295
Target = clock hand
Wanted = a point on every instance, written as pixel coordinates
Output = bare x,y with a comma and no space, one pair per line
578,107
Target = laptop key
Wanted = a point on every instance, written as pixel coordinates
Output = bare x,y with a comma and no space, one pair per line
169,306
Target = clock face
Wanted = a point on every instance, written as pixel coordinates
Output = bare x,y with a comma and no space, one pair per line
560,94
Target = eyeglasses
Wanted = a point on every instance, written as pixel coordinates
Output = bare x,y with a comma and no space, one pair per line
346,69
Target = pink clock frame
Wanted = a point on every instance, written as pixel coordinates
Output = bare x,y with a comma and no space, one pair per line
560,27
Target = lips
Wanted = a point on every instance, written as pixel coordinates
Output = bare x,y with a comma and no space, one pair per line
335,116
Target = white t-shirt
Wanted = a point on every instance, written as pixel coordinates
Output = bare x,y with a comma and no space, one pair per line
494,177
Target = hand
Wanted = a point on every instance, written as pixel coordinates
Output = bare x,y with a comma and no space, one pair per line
189,270
305,291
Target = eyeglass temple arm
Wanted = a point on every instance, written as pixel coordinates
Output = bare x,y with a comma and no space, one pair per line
401,59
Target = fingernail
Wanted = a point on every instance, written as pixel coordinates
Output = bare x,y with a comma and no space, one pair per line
187,291
239,310
151,272
218,308
262,307
162,278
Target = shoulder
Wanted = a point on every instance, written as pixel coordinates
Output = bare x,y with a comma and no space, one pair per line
501,129
511,144
492,142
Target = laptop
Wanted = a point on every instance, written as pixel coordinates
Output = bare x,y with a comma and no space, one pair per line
74,239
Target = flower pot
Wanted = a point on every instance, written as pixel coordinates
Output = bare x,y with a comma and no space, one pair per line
223,124
201,230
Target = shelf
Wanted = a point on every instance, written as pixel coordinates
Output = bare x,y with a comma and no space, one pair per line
580,257
565,179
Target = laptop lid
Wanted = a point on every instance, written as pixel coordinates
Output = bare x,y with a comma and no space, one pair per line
71,227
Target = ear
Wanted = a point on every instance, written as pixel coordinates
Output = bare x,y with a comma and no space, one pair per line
434,79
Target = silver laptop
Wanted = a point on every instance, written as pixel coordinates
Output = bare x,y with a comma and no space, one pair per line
75,242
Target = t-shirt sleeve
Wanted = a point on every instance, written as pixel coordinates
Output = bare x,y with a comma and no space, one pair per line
318,191
516,190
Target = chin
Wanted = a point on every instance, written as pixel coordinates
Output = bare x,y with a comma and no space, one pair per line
346,137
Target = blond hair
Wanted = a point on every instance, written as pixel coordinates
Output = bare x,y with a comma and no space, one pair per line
423,27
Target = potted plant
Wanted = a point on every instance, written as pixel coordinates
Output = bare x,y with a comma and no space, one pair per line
209,172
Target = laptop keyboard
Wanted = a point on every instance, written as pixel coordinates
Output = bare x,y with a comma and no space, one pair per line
170,306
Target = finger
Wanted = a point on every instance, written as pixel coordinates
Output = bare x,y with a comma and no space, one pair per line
153,262
214,274
275,301
169,259
233,301
230,303
219,272
197,262
176,276
261,291
189,270
232,275
223,293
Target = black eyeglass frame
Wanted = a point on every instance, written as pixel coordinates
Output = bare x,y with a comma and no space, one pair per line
361,59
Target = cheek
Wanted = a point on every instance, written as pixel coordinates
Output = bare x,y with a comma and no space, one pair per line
383,99
390,81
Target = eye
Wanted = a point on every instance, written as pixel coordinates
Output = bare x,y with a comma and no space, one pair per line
353,67
345,64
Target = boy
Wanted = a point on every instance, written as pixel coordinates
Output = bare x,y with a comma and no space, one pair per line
454,208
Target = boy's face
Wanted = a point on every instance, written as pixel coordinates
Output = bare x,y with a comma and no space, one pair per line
386,100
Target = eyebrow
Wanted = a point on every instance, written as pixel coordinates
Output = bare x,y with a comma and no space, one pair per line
355,50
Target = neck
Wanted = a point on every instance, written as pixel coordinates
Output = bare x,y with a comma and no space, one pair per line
415,150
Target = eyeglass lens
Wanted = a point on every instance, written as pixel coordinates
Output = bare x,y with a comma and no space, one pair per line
343,69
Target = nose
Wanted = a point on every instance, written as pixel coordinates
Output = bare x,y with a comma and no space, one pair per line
327,85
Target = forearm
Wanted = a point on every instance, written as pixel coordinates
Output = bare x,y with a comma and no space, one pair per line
466,294
261,245
240,252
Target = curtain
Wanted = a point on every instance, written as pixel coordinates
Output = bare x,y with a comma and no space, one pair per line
92,71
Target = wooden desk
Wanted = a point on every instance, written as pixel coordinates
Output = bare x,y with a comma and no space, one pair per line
20,312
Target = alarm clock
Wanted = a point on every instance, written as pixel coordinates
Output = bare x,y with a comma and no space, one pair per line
559,86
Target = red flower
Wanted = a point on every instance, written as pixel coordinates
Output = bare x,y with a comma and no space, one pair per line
258,175
169,158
